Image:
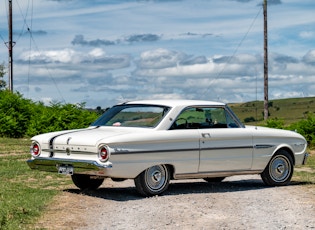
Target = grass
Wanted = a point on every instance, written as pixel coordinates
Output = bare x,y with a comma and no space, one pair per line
289,110
24,193
306,174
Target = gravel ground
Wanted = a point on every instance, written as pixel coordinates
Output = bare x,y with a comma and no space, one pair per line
239,202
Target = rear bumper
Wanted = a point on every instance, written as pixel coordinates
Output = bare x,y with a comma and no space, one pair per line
79,166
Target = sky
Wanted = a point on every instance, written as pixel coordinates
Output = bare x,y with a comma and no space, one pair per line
104,52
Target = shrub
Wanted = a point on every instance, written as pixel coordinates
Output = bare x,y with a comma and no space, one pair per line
15,114
275,123
58,117
249,119
307,129
21,117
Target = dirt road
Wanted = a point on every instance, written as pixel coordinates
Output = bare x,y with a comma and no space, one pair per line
240,202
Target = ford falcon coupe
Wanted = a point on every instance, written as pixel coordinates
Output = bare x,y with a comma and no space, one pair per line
155,141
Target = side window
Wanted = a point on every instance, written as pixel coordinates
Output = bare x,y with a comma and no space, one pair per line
231,123
203,118
189,118
216,118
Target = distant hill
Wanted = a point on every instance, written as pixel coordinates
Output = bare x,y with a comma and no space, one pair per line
289,110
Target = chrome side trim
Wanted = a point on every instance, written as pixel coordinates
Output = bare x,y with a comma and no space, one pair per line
125,151
226,148
214,174
79,166
263,146
122,151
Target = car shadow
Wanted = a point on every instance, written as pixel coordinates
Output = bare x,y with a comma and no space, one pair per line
128,193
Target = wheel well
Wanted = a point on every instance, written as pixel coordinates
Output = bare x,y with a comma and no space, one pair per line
172,170
290,152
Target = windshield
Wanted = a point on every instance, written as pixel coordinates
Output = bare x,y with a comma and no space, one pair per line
132,116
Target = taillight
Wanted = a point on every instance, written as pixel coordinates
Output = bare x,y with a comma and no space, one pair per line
35,149
103,153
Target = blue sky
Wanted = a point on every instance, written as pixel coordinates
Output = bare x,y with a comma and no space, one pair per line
102,52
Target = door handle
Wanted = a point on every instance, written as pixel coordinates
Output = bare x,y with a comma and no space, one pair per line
205,135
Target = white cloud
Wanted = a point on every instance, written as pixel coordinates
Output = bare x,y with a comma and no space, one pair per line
184,49
63,56
307,34
98,52
309,58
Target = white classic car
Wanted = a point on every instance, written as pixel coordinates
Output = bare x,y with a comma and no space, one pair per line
155,141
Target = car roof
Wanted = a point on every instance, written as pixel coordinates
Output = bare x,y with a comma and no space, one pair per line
176,102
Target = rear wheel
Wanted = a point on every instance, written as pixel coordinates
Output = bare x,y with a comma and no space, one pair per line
86,182
153,181
279,170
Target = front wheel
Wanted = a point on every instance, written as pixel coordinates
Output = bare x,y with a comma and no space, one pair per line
279,170
86,182
153,181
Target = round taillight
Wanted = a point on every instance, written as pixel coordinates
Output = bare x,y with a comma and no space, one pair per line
35,150
103,154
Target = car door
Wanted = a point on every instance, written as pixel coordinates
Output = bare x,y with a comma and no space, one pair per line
224,145
185,138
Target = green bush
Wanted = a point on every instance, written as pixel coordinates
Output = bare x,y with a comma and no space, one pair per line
21,117
15,114
249,119
306,127
58,117
275,123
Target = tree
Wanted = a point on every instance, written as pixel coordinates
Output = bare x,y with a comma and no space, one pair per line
2,73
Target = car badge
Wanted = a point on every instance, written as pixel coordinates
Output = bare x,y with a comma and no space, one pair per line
68,151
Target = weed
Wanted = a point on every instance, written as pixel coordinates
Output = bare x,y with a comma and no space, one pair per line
24,193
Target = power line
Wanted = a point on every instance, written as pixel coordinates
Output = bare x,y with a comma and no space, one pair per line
29,58
32,40
24,19
235,51
47,69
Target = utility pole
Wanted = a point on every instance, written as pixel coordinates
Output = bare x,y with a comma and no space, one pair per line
266,110
10,47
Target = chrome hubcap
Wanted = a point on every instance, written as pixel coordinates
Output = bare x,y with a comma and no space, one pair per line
280,169
156,177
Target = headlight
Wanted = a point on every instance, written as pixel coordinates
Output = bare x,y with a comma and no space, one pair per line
103,153
35,149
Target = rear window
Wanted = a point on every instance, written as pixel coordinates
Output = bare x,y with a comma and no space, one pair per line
132,116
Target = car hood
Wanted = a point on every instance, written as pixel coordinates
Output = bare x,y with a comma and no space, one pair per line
274,132
84,137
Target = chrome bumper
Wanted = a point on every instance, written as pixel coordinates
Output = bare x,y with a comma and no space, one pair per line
305,158
79,166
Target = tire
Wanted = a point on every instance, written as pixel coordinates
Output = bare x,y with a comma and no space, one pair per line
86,182
214,179
153,181
279,170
